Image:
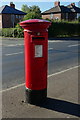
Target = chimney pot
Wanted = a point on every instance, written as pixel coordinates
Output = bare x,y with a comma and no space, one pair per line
12,5
57,3
72,4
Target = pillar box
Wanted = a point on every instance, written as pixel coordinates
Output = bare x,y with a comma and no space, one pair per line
36,57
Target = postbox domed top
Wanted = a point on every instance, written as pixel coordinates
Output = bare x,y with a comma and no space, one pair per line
35,24
33,21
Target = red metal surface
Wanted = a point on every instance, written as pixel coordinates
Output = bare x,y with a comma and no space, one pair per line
35,24
34,21
35,67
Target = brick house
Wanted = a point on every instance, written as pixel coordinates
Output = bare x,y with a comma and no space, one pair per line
59,12
9,16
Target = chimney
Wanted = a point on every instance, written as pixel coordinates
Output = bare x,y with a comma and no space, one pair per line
12,5
72,4
57,3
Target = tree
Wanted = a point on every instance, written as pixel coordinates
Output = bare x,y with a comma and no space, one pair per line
25,8
33,13
35,9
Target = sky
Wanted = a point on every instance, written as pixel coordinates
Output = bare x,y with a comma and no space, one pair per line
43,4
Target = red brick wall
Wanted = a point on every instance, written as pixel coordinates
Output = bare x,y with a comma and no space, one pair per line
54,16
7,20
57,16
46,16
60,16
0,20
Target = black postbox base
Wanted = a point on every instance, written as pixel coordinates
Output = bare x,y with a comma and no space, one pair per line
36,96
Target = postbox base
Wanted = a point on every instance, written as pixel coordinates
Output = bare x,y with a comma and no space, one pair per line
36,96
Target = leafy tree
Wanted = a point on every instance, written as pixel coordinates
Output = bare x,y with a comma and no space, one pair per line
33,13
25,8
35,9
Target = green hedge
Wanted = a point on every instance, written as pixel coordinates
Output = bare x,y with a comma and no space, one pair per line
11,32
57,29
64,29
6,32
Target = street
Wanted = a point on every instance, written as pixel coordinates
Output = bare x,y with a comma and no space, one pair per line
62,55
63,79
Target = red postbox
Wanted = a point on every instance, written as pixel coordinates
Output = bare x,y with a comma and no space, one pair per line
36,55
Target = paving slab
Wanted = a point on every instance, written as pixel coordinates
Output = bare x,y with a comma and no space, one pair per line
62,99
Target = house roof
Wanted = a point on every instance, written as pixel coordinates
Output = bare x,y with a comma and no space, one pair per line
9,10
65,9
52,10
74,8
62,9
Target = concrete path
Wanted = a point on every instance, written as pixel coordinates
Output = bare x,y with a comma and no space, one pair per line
62,101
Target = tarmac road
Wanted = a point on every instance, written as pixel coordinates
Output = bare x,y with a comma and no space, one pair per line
61,56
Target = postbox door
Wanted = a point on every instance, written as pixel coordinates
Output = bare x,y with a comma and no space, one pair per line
36,61
39,63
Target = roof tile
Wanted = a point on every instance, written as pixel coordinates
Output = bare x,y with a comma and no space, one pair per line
63,9
9,10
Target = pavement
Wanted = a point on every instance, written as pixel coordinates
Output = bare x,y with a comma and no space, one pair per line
62,98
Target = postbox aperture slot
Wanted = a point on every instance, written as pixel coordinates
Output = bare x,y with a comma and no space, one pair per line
38,38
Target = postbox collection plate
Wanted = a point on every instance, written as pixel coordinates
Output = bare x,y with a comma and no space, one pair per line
38,51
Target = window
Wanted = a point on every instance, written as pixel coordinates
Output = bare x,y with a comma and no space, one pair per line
57,18
13,18
17,16
66,16
51,16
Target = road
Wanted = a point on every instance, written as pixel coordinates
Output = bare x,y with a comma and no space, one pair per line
61,56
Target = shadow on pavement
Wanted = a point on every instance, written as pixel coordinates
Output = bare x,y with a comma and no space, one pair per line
62,106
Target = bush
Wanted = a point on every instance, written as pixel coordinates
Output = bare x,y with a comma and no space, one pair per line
12,32
0,32
18,31
57,29
64,29
6,32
